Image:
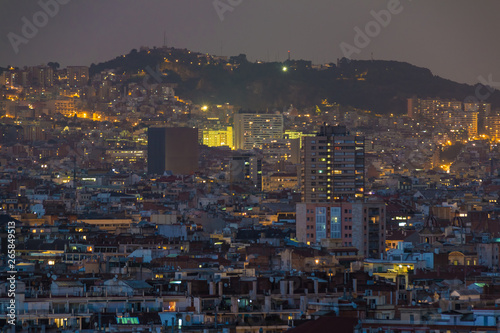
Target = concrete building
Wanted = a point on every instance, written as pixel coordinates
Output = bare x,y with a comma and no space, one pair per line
319,221
125,155
246,168
279,181
358,224
65,107
218,138
43,76
275,150
369,228
250,129
493,126
333,166
78,76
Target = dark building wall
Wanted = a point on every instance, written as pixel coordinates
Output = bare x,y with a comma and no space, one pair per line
156,150
174,149
181,150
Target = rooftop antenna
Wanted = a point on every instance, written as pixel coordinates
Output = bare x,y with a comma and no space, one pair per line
165,39
288,55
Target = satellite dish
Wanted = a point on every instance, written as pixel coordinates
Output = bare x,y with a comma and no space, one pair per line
48,275
225,284
370,273
54,277
413,303
271,279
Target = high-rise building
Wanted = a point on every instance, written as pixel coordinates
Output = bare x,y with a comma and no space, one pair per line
413,107
43,76
432,109
359,224
250,129
8,78
172,149
470,122
493,125
483,110
333,165
78,76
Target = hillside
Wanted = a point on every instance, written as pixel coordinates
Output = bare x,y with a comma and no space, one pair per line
380,86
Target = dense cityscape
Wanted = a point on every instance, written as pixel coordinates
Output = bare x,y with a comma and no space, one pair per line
136,195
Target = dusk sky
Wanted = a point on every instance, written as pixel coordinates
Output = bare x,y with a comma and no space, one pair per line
455,39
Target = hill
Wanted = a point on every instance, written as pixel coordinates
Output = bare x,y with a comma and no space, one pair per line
377,85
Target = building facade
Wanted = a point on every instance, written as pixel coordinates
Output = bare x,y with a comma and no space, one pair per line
251,129
78,76
275,150
246,169
218,138
172,149
357,224
369,228
333,164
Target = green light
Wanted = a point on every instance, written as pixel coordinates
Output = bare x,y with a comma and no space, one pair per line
284,68
175,282
128,320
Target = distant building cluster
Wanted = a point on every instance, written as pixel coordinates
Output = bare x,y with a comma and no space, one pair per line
470,117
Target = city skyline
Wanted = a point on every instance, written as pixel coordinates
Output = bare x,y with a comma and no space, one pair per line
230,166
448,45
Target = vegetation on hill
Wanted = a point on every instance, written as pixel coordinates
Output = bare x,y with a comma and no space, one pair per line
380,86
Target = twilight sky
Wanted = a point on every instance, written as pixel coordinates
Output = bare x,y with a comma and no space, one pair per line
455,39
